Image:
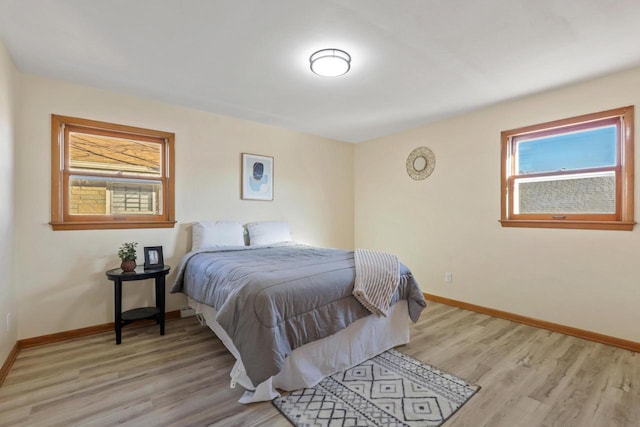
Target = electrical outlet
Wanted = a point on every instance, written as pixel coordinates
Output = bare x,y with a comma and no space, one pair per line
8,322
448,277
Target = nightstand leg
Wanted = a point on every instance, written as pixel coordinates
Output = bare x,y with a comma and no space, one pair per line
117,286
160,300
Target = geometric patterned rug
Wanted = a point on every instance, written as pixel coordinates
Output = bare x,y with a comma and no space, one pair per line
391,389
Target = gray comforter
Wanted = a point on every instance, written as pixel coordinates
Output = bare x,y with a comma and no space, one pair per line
271,300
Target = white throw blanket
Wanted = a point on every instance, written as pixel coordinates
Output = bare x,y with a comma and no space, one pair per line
377,278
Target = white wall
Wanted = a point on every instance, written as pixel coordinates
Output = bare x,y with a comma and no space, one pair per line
586,279
61,278
8,91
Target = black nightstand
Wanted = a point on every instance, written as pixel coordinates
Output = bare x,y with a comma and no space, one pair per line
121,319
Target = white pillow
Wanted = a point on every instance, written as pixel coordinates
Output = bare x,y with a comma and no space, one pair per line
209,234
268,232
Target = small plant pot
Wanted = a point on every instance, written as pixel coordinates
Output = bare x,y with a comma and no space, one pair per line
128,265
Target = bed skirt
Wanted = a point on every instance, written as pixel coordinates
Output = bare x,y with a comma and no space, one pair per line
309,364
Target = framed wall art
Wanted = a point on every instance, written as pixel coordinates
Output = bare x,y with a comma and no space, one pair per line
257,177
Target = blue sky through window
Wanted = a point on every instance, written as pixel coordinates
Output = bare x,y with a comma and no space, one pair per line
576,150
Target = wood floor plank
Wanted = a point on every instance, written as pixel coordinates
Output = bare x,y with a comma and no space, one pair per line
529,377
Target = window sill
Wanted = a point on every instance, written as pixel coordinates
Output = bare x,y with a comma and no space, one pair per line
110,225
582,225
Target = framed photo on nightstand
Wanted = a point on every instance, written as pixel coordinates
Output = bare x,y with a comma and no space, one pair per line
153,257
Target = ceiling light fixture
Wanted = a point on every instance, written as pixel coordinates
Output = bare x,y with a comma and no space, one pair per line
330,62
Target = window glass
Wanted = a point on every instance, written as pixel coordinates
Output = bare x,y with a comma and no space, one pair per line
567,151
113,155
102,196
580,193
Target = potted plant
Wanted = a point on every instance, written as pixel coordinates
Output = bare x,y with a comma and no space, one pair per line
127,254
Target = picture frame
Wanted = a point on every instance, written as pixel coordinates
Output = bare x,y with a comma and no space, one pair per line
257,177
153,257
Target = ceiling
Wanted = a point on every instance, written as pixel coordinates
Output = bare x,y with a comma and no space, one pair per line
413,61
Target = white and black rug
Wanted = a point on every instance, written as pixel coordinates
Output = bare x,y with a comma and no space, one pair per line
391,389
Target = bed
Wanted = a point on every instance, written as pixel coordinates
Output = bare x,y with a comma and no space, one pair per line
284,309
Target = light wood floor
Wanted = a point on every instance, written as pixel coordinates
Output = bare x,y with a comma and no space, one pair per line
529,377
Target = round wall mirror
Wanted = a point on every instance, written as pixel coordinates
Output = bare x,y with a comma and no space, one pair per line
420,163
